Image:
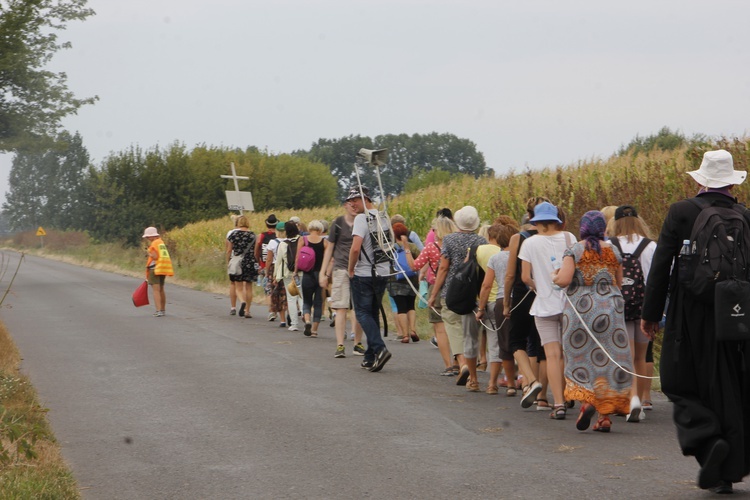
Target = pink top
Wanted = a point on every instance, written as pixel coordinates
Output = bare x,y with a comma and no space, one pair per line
430,255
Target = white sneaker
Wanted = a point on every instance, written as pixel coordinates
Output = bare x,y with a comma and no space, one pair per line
293,329
635,410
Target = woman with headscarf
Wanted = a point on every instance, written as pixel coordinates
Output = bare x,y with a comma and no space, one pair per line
594,326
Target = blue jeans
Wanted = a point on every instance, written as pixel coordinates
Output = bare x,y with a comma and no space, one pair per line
367,297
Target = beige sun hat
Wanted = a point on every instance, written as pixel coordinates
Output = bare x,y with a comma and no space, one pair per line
467,218
717,170
149,232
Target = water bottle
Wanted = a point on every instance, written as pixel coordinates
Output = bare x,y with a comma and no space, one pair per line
555,267
683,263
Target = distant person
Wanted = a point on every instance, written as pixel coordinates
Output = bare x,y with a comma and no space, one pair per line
461,328
242,242
630,235
312,292
158,267
412,236
707,381
402,287
335,266
430,258
276,288
495,264
284,270
261,254
232,284
524,340
539,254
592,272
443,212
368,269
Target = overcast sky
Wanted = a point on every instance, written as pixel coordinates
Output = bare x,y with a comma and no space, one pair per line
532,83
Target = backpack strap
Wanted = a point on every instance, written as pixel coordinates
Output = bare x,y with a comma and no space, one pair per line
641,247
616,243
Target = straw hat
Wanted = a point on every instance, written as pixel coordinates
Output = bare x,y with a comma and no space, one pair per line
292,289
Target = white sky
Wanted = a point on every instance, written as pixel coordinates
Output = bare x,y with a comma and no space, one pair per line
532,83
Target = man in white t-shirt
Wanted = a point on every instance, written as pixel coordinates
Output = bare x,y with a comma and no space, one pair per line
369,268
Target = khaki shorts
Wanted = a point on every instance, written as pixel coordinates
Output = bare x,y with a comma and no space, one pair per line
153,279
435,317
340,290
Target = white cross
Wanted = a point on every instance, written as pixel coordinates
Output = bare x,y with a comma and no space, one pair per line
235,177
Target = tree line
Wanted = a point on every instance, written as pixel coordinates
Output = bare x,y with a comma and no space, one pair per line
58,187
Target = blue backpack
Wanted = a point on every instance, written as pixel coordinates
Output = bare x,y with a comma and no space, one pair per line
402,266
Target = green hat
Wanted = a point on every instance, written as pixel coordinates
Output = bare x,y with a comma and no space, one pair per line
280,226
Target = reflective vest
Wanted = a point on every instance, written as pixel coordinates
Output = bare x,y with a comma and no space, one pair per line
163,262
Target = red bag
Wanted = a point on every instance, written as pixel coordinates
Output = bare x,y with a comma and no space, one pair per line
140,296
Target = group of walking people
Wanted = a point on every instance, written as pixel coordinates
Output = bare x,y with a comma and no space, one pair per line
572,316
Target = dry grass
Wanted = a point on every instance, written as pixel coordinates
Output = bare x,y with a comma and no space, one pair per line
46,474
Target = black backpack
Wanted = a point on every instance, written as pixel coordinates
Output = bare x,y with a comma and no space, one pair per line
719,248
633,282
461,295
291,253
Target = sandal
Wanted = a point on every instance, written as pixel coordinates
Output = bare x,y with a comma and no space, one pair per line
405,340
647,405
603,424
472,386
414,337
456,369
558,412
314,335
510,392
584,418
482,367
448,372
491,389
542,405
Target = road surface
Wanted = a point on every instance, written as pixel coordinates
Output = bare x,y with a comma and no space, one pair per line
204,405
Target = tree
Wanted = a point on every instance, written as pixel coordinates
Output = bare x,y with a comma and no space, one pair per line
664,140
406,155
34,100
50,187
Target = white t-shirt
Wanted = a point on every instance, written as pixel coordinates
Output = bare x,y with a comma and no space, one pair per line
538,251
363,267
272,246
647,256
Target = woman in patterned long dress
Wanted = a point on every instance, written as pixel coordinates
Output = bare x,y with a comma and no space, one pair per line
592,271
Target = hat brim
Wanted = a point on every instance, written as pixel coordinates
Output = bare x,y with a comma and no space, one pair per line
737,177
545,218
468,228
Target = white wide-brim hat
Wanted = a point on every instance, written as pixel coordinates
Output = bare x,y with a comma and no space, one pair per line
150,231
467,218
717,170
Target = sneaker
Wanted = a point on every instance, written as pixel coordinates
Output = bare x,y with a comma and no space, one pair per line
271,316
635,410
380,360
433,342
333,320
530,392
366,364
282,324
351,336
308,329
448,372
293,329
160,314
359,349
232,311
340,352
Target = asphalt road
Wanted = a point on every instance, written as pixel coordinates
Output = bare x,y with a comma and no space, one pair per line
203,405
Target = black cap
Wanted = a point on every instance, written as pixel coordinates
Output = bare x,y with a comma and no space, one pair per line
625,211
272,221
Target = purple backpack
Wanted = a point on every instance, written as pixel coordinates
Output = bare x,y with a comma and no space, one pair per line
306,258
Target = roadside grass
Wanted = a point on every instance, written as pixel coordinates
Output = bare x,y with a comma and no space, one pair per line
31,465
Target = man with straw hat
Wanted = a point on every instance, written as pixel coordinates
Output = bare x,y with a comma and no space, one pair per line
706,380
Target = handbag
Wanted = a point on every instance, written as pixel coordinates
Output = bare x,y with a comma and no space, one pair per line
235,265
140,296
423,288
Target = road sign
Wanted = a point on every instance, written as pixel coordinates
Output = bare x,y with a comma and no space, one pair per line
41,232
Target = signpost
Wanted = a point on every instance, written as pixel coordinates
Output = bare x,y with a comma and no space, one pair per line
238,200
41,233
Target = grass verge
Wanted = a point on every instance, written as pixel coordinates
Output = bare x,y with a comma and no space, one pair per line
31,465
